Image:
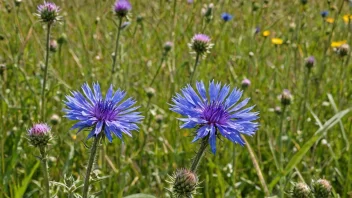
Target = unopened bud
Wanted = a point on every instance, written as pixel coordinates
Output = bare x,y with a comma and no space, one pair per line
301,190
322,188
185,183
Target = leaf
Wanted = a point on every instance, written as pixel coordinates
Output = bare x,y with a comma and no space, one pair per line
305,148
140,196
19,192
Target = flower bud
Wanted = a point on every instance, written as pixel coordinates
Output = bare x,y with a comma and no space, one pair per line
185,183
246,83
53,45
200,44
150,92
18,3
343,50
55,119
39,135
286,97
168,46
301,190
159,118
2,69
310,62
62,39
322,188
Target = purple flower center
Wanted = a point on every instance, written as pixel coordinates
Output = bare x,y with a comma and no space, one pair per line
215,113
122,5
201,38
39,129
105,111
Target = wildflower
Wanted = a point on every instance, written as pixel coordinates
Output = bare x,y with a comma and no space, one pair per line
301,190
200,44
347,18
216,115
168,46
266,33
324,13
48,12
336,44
257,30
150,92
322,188
343,50
18,3
53,45
226,16
286,97
246,83
329,20
207,12
122,7
110,115
39,135
310,62
184,183
276,41
55,119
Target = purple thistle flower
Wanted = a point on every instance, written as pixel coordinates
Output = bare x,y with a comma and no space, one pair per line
226,16
200,44
246,83
310,62
109,114
122,7
257,30
39,135
48,12
215,115
39,129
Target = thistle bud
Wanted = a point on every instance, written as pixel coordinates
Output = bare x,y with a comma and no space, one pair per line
18,3
159,118
140,19
62,39
150,92
55,119
168,46
322,188
2,69
277,110
53,45
301,190
185,183
310,62
39,135
246,83
200,44
343,50
286,97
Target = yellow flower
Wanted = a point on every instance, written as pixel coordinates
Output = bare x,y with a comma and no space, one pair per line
266,33
338,43
276,41
74,137
329,20
347,18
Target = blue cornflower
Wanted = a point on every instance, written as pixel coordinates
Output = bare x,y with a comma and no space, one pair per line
217,114
324,13
226,16
108,114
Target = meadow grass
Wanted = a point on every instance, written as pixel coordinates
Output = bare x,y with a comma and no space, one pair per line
316,125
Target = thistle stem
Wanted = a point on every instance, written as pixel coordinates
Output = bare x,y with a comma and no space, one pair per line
44,163
199,155
281,151
90,165
116,48
195,67
157,71
45,71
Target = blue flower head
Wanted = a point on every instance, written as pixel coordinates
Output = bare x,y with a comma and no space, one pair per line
217,113
226,16
324,13
109,115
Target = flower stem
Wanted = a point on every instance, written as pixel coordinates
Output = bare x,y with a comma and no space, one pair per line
90,165
195,67
116,48
199,155
157,71
45,71
44,163
281,151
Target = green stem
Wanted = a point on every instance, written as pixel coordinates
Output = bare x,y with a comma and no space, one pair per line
281,151
195,67
116,48
306,94
157,71
90,165
45,71
199,155
44,163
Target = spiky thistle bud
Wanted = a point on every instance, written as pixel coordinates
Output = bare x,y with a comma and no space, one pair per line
18,3
310,62
184,183
62,39
246,83
322,188
39,135
343,50
48,12
168,46
55,119
301,190
200,44
150,92
122,7
286,97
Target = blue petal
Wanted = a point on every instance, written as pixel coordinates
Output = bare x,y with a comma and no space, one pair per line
240,105
202,132
202,91
212,139
233,98
97,92
109,94
214,90
98,127
88,92
223,93
108,133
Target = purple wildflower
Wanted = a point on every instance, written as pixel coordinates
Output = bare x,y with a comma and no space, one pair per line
215,115
310,62
226,16
110,115
39,134
246,83
200,44
48,12
122,7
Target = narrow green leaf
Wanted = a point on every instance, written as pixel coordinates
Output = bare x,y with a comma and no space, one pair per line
19,192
